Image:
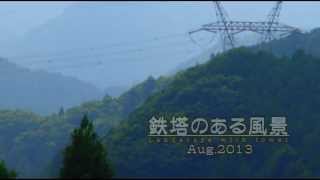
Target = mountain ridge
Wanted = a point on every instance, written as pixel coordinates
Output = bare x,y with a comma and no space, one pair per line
40,91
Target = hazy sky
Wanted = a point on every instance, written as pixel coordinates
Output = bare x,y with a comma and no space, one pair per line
303,14
19,17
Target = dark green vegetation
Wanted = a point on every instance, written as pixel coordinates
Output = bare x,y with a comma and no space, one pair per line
309,42
238,83
5,173
86,156
26,137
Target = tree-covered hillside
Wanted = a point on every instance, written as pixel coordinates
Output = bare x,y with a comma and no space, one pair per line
309,42
239,83
27,137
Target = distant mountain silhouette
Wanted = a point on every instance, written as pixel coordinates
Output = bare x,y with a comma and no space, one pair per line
132,40
39,91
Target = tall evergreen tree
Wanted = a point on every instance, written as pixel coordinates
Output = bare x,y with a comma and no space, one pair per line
5,173
86,157
61,111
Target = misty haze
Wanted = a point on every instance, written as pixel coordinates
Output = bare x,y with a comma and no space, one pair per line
66,67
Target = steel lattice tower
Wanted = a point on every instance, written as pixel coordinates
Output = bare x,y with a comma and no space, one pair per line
228,28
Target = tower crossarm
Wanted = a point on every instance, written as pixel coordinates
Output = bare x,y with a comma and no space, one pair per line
227,29
253,26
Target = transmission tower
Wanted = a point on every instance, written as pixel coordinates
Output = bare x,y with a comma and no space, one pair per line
273,18
228,28
222,16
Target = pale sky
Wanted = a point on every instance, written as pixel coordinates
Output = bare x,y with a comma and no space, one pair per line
19,17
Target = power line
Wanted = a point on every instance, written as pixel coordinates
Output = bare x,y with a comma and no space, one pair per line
103,46
102,62
92,64
111,54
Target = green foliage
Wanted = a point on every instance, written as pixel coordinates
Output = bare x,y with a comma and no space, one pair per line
5,173
86,157
41,139
238,83
308,42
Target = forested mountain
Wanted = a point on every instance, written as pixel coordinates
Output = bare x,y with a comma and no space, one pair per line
30,138
309,42
238,83
39,91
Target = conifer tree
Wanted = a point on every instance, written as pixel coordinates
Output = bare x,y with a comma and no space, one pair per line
86,157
